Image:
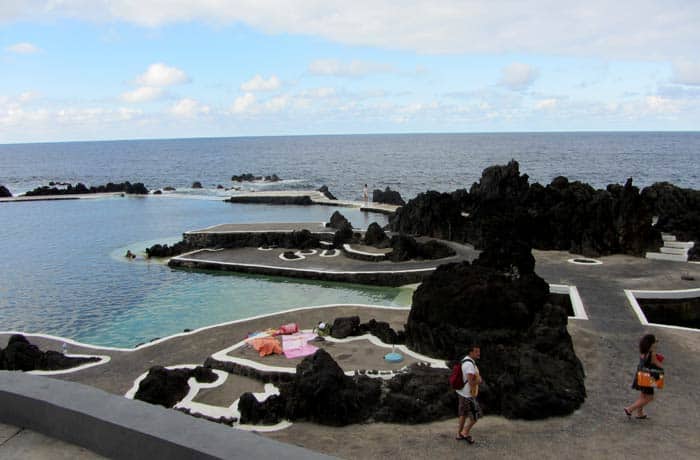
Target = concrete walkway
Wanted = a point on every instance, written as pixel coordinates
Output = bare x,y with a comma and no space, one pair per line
22,444
606,345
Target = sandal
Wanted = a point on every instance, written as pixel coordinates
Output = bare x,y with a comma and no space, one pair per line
627,413
469,439
641,417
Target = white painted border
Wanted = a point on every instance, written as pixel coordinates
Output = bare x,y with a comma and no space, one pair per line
103,359
576,302
324,253
204,328
216,411
312,252
632,296
347,248
593,261
299,257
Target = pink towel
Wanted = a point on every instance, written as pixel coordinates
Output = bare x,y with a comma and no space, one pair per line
295,346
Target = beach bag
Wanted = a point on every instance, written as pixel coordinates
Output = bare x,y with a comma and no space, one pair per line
649,375
456,377
291,328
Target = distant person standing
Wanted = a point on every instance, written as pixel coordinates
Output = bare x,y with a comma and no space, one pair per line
365,194
650,359
468,409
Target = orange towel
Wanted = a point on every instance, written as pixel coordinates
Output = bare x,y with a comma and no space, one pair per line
266,346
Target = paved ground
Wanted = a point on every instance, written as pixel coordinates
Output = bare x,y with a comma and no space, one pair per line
606,344
21,444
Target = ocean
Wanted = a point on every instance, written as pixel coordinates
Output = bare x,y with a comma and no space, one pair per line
65,273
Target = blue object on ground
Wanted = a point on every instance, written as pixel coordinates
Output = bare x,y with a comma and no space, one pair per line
393,357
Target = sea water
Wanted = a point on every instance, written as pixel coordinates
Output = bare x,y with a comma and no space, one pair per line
65,273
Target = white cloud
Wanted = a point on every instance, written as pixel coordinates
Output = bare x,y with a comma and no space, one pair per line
546,104
258,83
650,30
277,104
23,48
243,104
662,105
336,68
189,108
518,76
142,94
686,73
28,96
159,74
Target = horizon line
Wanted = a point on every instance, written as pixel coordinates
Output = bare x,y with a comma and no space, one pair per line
584,131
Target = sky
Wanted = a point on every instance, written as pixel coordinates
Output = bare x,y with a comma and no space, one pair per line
132,69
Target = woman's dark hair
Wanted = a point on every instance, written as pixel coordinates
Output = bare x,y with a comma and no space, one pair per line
646,343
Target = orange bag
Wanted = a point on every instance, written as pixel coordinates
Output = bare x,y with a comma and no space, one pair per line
644,379
660,382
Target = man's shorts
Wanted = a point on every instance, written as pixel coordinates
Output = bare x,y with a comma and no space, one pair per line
468,407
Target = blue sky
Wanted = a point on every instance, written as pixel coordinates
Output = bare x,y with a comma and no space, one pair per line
122,69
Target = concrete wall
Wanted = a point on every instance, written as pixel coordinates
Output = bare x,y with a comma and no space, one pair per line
386,278
117,427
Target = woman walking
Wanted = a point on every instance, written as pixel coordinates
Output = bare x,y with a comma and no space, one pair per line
648,358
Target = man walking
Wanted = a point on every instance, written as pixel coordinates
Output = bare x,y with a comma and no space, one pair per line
468,410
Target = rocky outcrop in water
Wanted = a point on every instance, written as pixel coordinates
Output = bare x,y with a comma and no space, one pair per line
304,200
196,184
375,236
338,221
527,356
4,192
388,196
163,250
21,355
327,193
167,387
80,189
248,177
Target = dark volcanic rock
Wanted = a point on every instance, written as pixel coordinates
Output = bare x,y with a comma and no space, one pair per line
678,209
158,192
388,196
169,189
419,396
430,214
343,235
527,356
564,215
4,192
434,249
163,250
403,248
383,331
20,355
322,393
338,221
80,189
375,236
345,327
248,177
266,199
196,184
406,248
268,412
327,193
167,387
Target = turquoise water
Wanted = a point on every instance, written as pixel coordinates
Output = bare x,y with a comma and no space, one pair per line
65,274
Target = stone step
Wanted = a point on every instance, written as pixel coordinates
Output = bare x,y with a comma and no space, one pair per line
668,237
672,250
671,257
679,244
